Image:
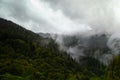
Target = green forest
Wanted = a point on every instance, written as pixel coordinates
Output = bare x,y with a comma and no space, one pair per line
24,56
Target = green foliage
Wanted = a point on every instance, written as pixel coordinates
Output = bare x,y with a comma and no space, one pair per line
25,56
10,77
114,70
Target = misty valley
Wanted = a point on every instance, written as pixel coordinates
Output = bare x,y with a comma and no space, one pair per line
25,55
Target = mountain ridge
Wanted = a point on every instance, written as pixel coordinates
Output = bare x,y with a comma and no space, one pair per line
25,55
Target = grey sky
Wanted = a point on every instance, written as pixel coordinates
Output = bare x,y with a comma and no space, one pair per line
63,16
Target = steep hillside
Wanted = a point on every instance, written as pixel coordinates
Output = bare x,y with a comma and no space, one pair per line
9,29
25,55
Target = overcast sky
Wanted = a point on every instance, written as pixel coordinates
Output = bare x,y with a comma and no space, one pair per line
63,16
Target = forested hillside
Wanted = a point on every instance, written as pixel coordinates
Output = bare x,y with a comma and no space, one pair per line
25,55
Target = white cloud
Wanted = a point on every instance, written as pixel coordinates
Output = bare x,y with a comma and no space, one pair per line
67,16
37,10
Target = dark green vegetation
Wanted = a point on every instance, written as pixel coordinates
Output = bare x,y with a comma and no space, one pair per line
25,55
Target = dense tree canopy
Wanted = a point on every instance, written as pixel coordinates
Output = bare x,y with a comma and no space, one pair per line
24,56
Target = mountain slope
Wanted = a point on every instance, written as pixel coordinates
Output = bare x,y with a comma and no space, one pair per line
23,58
25,55
11,29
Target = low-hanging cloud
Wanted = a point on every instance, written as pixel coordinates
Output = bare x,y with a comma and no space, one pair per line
68,16
38,16
100,15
